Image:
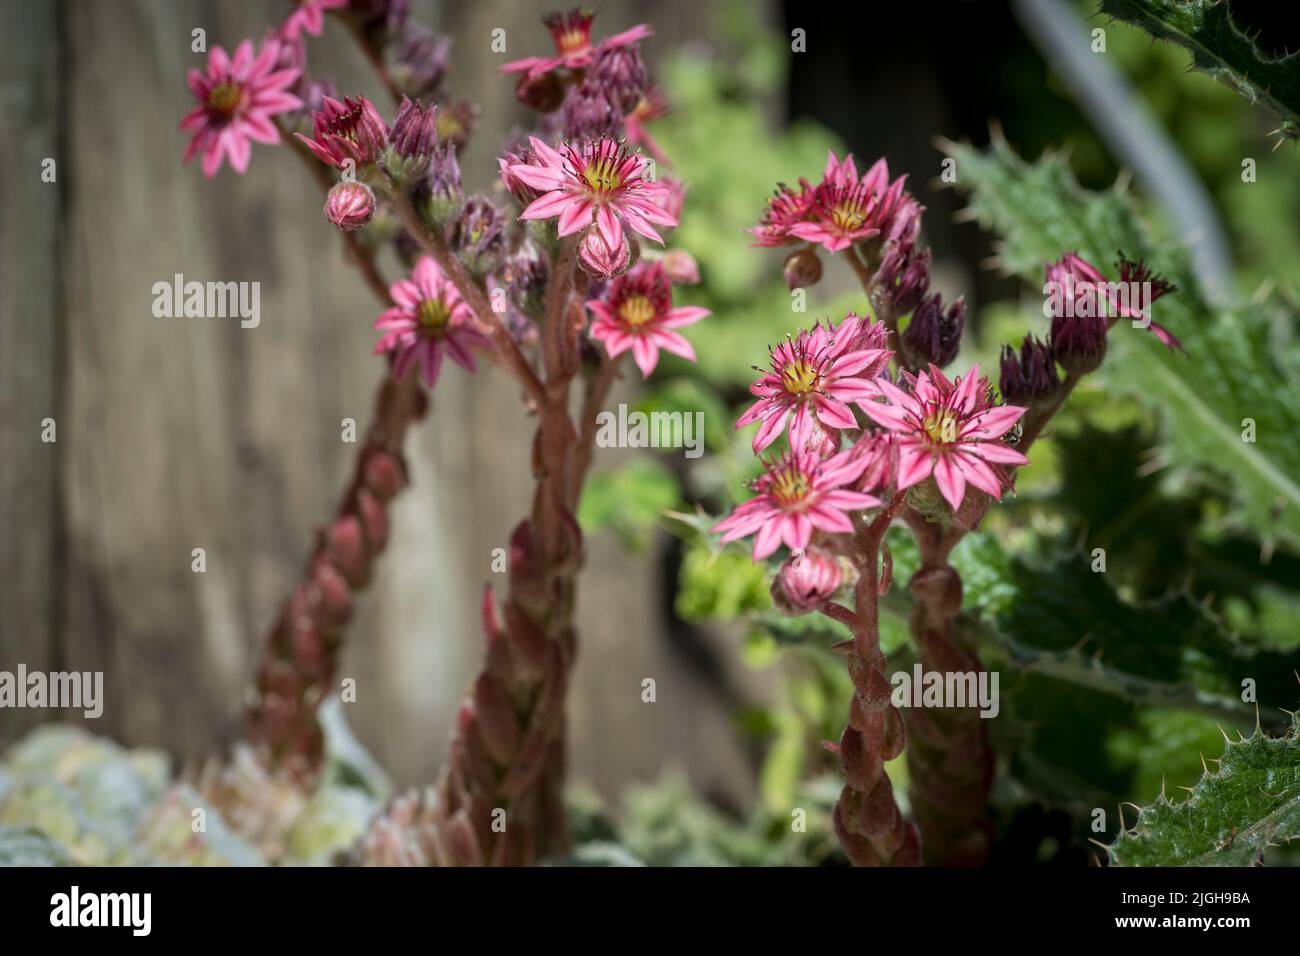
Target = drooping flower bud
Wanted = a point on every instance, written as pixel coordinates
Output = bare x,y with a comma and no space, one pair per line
443,182
934,335
350,205
806,581
620,72
543,93
1032,377
589,114
802,268
411,141
478,235
598,260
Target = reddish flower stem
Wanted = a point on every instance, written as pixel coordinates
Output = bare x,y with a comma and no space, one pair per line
868,822
300,657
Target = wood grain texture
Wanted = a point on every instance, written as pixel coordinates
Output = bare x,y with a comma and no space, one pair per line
185,433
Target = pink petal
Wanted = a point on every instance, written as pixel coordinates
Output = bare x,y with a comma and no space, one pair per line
951,481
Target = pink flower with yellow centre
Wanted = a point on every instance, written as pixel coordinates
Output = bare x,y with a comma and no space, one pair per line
237,98
571,32
948,430
308,15
601,182
847,209
637,313
797,493
785,208
815,377
429,318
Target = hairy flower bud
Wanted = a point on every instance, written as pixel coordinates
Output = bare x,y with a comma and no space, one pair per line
903,275
680,267
598,260
456,120
1078,342
420,62
350,205
443,183
525,274
806,580
351,130
411,141
478,235
802,268
620,72
934,335
588,114
1030,378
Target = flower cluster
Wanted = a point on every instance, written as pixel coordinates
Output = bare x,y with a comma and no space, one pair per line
919,428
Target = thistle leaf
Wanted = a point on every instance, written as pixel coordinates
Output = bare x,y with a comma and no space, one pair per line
1249,803
1219,48
1230,405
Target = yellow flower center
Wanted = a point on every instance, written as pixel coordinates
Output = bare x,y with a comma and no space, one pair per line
848,215
789,486
636,310
224,98
799,376
941,427
434,316
602,175
572,41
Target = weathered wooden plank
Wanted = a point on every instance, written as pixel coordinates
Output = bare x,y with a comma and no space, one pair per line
30,235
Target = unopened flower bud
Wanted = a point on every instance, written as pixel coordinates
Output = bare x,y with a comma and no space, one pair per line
589,114
1031,377
1078,342
420,61
598,260
934,335
680,267
903,276
525,274
350,205
802,268
542,93
806,581
478,235
620,72
443,182
456,121
411,142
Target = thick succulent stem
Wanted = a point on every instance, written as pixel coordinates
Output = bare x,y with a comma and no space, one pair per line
868,822
301,653
950,760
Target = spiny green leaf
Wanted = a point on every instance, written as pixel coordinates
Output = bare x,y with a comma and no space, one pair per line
1206,30
1240,362
1233,815
1061,619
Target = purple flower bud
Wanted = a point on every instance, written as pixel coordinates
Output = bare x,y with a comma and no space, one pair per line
1030,378
903,275
443,183
1078,341
934,335
478,235
420,62
415,131
588,114
620,73
802,268
525,274
806,581
456,120
350,205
